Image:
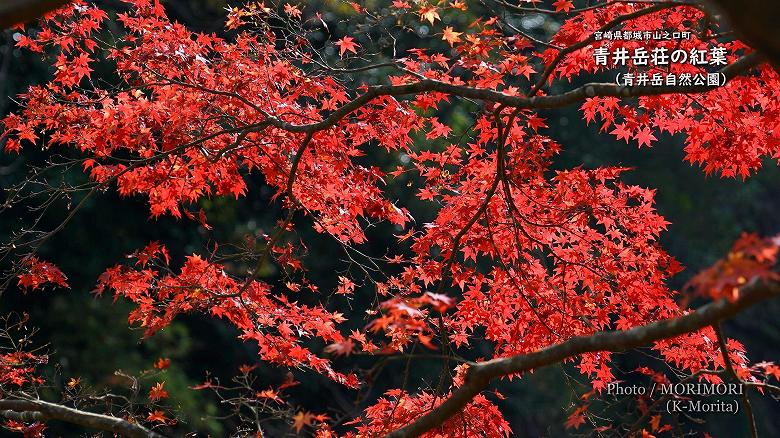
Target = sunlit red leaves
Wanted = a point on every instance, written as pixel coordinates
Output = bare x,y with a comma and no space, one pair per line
405,319
73,382
552,254
268,394
158,416
341,348
459,5
769,369
597,367
345,287
18,368
212,167
451,36
563,5
709,120
152,251
32,430
700,351
234,18
278,325
38,273
438,129
398,408
429,14
752,258
621,132
644,137
518,300
292,10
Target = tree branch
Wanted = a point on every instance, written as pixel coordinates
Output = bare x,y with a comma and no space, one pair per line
21,11
756,22
480,375
730,71
724,352
42,411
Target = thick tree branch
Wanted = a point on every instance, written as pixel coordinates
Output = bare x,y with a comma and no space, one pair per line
738,67
756,22
42,411
480,375
21,11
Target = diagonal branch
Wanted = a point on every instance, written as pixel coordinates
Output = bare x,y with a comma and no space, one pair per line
724,352
480,375
21,11
42,411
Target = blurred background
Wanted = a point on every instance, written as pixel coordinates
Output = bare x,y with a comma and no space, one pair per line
89,338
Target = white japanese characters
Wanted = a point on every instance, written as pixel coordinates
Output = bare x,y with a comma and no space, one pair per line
659,56
657,61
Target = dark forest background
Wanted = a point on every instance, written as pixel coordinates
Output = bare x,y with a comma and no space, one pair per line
89,338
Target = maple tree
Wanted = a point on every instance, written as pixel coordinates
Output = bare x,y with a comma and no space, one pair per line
545,265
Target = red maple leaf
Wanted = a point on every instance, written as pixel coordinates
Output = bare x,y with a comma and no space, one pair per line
451,36
157,392
622,132
563,5
644,136
347,44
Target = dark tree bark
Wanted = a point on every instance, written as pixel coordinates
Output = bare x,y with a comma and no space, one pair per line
21,11
39,410
758,24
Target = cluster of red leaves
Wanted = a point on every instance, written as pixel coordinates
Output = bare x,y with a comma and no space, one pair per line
398,408
174,124
700,351
537,256
727,130
37,273
18,368
157,416
752,258
569,255
578,252
407,319
278,325
768,369
33,430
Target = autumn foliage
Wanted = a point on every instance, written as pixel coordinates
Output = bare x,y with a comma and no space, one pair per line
519,255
